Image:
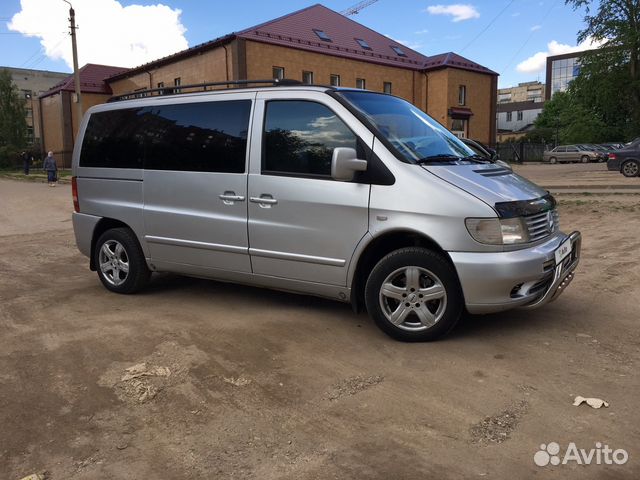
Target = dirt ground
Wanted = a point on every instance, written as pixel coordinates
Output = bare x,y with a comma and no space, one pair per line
199,379
590,175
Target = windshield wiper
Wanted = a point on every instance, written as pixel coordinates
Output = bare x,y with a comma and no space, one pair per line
445,157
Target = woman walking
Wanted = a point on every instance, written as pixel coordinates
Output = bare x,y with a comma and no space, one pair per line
49,165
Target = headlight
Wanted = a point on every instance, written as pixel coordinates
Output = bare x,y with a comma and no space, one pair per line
496,231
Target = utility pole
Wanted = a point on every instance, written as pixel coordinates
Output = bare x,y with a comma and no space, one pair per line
74,47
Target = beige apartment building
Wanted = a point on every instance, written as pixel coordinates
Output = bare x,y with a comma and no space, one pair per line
524,92
31,84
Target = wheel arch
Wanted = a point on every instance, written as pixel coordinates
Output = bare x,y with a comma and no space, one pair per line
381,245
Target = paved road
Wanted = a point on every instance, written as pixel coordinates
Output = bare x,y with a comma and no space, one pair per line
199,379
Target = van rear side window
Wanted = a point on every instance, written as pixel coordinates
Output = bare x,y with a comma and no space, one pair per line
197,137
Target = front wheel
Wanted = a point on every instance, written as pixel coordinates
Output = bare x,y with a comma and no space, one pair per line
120,261
413,295
630,168
553,160
584,159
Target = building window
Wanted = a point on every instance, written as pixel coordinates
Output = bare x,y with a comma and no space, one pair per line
504,98
509,116
307,77
386,87
161,85
177,82
278,73
29,112
361,83
462,95
363,44
334,80
459,127
322,35
519,116
398,51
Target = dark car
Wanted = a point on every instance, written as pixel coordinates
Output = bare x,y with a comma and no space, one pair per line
600,152
626,160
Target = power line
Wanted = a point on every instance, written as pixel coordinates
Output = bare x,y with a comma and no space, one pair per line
488,25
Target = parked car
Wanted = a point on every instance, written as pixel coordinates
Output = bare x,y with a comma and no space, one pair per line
485,152
601,153
612,146
569,153
626,160
347,194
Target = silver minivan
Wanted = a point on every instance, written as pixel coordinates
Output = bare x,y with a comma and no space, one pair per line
346,194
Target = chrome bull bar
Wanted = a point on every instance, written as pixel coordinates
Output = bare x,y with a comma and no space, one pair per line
562,275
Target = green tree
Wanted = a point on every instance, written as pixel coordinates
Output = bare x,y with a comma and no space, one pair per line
13,125
617,24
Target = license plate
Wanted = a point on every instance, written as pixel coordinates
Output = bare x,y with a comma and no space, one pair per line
563,250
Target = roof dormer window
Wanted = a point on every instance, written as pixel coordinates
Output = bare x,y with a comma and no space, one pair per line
398,51
322,35
363,44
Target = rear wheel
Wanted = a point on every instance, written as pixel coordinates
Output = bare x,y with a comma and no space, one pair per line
120,261
584,159
630,168
413,295
553,160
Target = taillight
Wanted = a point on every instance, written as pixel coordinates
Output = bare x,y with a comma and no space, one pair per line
612,156
74,193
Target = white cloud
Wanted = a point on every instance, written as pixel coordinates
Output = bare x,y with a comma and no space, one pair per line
536,27
515,14
537,62
109,33
458,11
422,32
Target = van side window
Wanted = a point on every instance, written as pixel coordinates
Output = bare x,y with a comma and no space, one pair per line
299,138
197,137
113,139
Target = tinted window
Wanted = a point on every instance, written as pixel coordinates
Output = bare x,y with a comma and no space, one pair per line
197,137
300,138
201,137
113,139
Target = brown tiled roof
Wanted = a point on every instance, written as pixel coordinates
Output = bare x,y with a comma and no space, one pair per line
453,60
92,80
296,30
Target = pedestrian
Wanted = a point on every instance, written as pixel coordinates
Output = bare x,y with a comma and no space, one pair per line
49,165
26,162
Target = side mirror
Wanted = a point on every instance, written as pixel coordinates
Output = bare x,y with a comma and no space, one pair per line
345,163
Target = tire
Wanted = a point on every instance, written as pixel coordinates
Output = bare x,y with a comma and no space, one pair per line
429,273
630,168
553,160
116,249
584,159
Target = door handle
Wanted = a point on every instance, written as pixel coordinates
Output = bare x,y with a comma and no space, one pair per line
265,200
228,198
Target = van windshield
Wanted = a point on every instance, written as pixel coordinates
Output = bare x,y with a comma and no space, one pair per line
415,135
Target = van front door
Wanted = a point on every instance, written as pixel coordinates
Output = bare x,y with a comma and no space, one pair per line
303,225
195,185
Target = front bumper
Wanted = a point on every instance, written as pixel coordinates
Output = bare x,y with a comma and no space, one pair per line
530,278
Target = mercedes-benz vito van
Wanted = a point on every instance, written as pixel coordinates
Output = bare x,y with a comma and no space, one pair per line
340,193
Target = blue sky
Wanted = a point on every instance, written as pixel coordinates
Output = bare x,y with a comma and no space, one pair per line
500,34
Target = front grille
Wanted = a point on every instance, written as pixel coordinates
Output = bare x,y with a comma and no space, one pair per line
542,225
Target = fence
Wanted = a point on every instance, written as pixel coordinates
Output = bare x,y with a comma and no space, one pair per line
521,152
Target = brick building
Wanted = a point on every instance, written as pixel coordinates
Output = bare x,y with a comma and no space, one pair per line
318,45
58,114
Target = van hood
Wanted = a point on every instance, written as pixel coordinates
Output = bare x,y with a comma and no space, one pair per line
489,182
